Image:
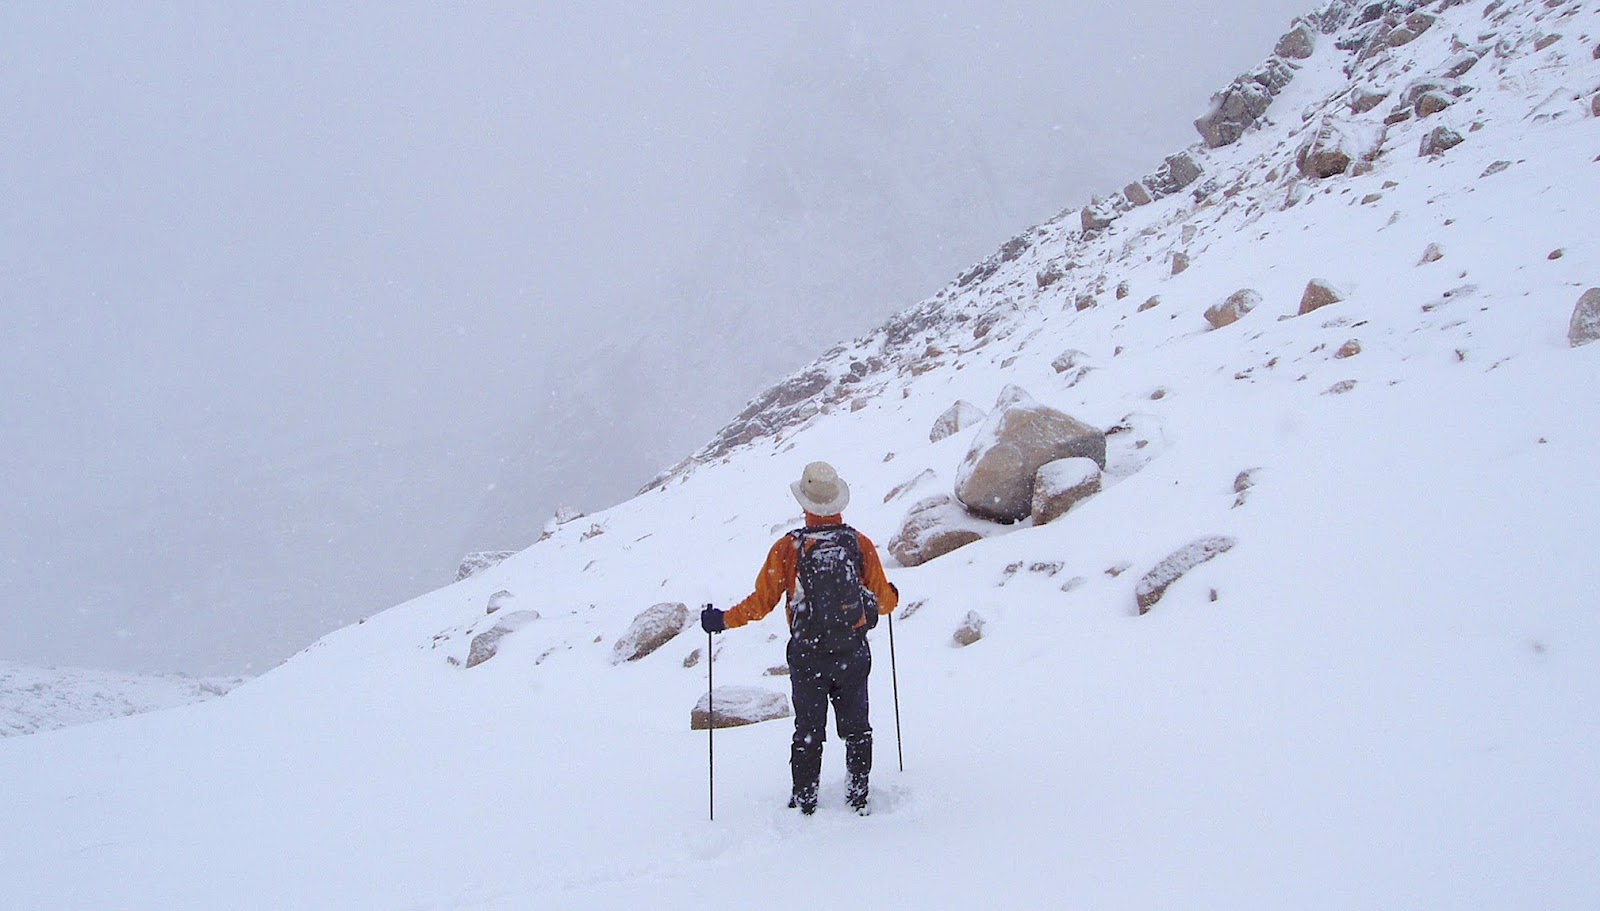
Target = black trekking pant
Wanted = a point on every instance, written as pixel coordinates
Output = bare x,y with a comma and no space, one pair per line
818,679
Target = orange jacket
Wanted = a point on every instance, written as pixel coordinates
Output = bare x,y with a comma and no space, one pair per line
777,578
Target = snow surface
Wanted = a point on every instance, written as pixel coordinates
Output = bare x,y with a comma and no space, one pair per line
34,699
1391,704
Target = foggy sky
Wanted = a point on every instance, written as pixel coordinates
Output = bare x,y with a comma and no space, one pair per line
284,288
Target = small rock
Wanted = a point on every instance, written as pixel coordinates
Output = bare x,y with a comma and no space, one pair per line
692,659
1118,569
486,644
1371,198
1340,388
1229,311
1545,41
970,630
1180,262
1319,294
733,706
651,629
1069,359
1460,64
1153,302
1432,254
1348,349
1074,583
1556,253
1155,583
1084,301
956,418
1496,168
777,670
1585,326
498,601
1439,141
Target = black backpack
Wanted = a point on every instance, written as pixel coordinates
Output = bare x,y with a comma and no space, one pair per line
832,609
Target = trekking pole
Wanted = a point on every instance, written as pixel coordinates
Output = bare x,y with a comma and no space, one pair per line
894,675
711,743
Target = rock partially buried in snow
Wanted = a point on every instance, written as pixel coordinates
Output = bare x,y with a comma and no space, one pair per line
1319,294
650,630
1585,327
1177,171
970,630
1229,311
1432,254
995,481
1155,583
934,527
956,418
1336,145
480,560
735,706
1438,141
486,644
1061,485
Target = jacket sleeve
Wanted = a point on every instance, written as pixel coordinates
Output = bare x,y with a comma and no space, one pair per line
772,583
879,584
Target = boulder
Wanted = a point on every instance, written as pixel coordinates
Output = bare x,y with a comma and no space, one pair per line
1318,294
1177,171
933,528
1439,141
498,601
1350,348
1432,254
1298,43
1460,64
650,630
956,418
1229,311
1364,99
1061,485
1151,303
1069,359
1180,262
1585,326
1336,144
734,706
1155,583
970,630
480,560
1136,194
995,480
1409,30
487,643
1233,110
1430,103
1100,213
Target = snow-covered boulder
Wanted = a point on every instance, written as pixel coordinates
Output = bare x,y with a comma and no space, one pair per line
1364,98
733,706
650,630
1155,583
1298,43
1100,213
1439,141
1337,144
995,480
1061,485
1318,294
486,644
1070,359
1585,326
1177,171
1431,103
480,560
956,418
1231,310
1233,110
970,630
933,528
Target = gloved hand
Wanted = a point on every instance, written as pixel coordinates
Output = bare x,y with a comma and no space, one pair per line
711,620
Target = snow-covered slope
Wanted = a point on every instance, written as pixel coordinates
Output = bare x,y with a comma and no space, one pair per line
34,699
1382,696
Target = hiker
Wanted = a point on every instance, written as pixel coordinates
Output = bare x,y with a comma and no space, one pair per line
834,589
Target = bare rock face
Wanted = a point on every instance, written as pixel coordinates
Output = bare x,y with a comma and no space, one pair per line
1233,110
1177,171
970,630
996,479
956,418
480,560
934,527
1229,311
1336,145
1318,294
1585,326
652,629
1299,43
734,706
1439,141
487,643
1061,485
1155,583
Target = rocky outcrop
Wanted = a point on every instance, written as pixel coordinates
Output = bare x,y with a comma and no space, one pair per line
1298,43
1233,110
486,644
970,630
1155,583
1231,310
1061,485
735,706
1337,144
956,418
480,560
1100,213
1585,326
1176,172
1318,294
934,527
995,480
650,630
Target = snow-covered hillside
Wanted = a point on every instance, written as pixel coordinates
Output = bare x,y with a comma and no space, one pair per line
34,699
1383,695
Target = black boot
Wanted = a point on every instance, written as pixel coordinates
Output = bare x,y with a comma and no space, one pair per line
805,767
858,762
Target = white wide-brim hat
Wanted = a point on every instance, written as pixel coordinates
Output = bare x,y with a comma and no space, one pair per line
821,491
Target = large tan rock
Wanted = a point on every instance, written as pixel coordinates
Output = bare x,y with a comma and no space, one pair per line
652,629
1229,311
1585,326
1155,583
934,527
1061,485
1318,294
486,644
734,706
956,418
995,480
1337,144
